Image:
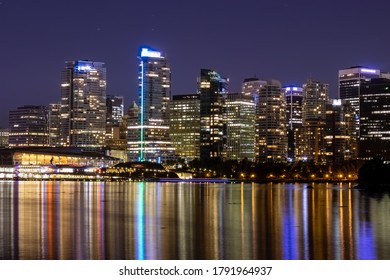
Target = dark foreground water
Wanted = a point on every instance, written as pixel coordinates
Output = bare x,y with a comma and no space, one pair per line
97,220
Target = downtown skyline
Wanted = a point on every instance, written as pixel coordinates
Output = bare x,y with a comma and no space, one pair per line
308,40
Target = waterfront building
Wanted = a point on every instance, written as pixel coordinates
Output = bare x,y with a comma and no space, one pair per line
185,125
350,82
350,85
271,123
240,113
83,104
294,101
54,124
311,139
252,87
149,138
212,88
340,145
28,126
4,135
374,119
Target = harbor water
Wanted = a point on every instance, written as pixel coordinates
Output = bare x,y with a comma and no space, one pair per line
206,221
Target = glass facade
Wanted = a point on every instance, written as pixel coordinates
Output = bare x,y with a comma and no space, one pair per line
83,104
212,88
240,122
149,138
340,124
294,99
374,119
28,127
185,125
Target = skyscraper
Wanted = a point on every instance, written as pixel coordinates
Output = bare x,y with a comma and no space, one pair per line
374,119
315,98
83,104
240,126
350,81
152,127
340,123
271,123
294,98
185,125
28,127
212,88
252,87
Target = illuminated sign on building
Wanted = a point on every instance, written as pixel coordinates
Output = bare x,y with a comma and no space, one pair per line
145,52
365,70
83,67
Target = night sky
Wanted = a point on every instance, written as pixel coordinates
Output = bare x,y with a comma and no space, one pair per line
290,41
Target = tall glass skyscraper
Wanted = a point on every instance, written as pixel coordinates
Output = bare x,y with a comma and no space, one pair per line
374,122
350,82
212,89
83,104
150,140
294,97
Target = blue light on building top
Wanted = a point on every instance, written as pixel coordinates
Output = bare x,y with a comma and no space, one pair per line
148,52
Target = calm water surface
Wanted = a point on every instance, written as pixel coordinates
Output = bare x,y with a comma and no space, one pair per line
97,220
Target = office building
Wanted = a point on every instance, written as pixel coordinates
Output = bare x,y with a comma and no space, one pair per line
240,111
151,128
185,125
350,81
374,138
311,139
294,99
271,123
212,88
340,145
28,127
83,104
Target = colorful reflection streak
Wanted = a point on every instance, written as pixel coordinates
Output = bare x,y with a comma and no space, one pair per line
97,220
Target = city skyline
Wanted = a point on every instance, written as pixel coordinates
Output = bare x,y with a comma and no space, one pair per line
308,40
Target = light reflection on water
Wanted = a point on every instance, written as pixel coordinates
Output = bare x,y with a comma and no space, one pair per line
144,220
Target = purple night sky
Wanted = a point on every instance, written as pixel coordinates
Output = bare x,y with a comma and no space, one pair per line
290,41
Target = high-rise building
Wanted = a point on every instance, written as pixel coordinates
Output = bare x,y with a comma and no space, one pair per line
374,119
54,125
185,125
152,126
28,127
294,98
340,123
350,81
271,123
252,87
312,143
212,88
83,104
240,112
